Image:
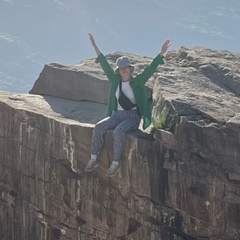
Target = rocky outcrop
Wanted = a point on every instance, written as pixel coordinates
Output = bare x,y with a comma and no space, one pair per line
83,82
181,183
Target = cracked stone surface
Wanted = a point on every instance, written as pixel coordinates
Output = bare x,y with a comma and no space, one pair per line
181,183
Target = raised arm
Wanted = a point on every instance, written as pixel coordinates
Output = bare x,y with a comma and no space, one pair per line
152,66
94,44
107,68
165,47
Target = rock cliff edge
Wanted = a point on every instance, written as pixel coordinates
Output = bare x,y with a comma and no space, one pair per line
180,182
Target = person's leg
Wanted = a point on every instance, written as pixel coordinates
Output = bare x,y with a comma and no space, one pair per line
98,138
119,136
130,123
99,131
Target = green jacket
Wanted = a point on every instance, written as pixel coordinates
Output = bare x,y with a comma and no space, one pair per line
137,83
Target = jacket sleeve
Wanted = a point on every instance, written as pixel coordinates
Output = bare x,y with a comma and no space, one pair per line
150,69
107,68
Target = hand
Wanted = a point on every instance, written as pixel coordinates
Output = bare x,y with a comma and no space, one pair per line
165,47
92,39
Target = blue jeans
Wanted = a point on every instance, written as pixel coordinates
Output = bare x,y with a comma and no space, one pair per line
122,122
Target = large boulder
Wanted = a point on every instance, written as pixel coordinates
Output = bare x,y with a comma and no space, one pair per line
199,83
83,81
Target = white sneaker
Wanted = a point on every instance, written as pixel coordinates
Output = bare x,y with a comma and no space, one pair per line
91,165
113,169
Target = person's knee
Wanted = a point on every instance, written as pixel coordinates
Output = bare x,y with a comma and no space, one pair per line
99,128
118,132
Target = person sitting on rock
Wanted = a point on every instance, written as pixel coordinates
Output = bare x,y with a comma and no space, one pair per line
127,104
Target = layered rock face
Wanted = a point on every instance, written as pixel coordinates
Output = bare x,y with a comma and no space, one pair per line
181,183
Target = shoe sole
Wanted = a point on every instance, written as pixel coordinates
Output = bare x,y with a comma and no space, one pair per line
90,170
112,175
